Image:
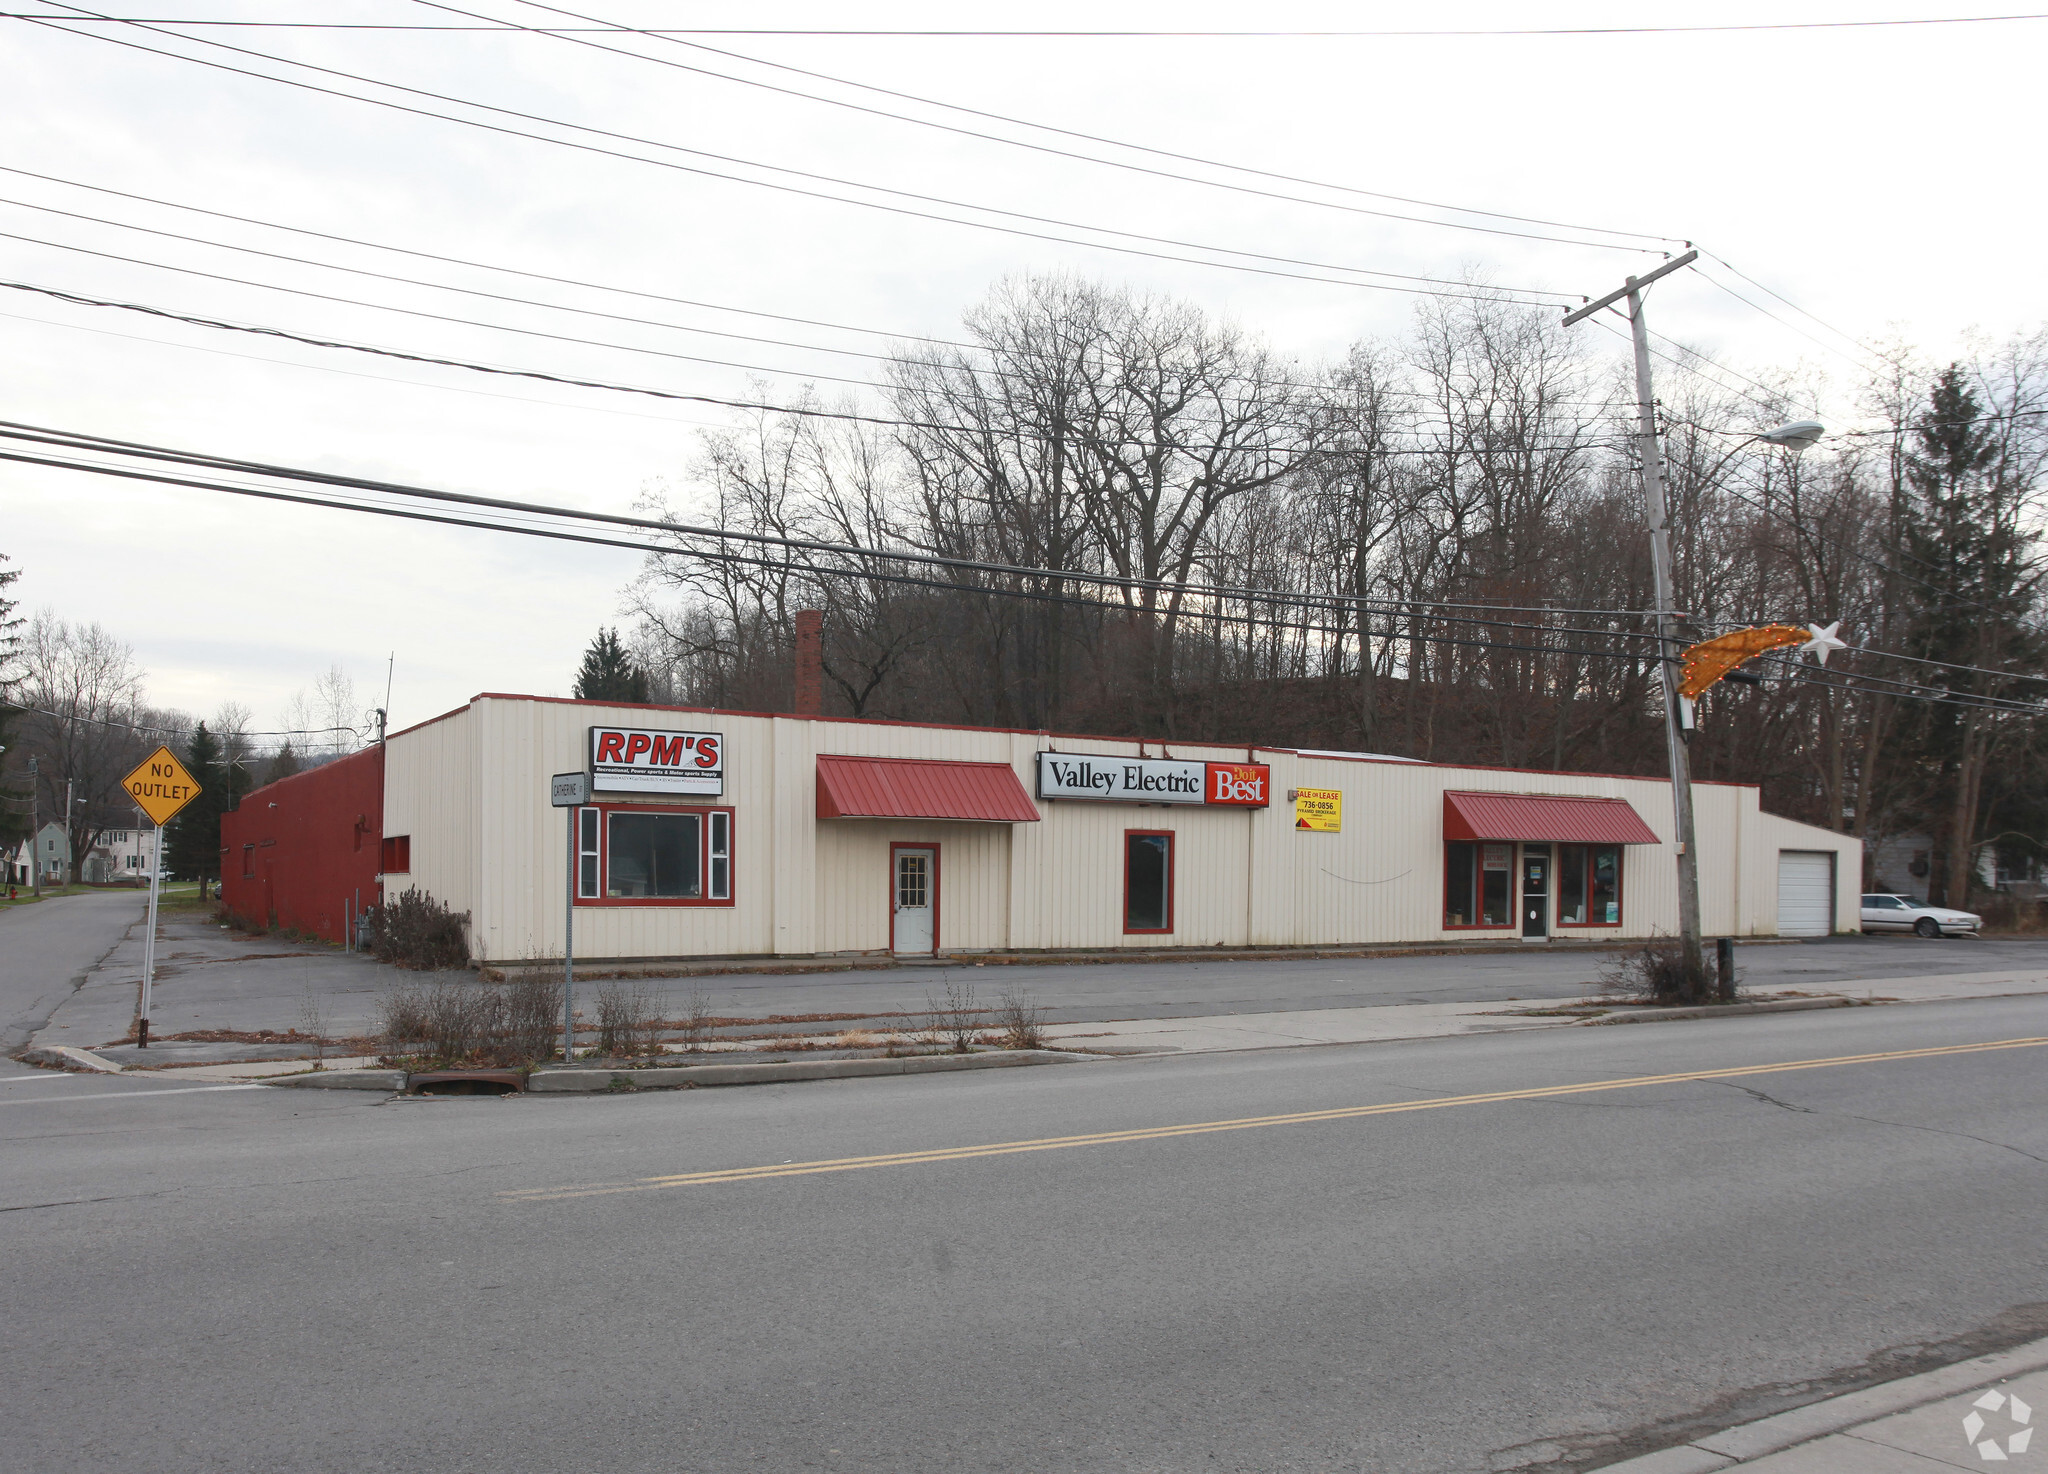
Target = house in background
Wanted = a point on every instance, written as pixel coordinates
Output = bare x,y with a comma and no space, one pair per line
1899,865
50,850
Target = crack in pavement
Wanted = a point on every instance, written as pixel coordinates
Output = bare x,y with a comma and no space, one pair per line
1878,1121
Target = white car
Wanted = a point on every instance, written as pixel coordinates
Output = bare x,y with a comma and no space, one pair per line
1903,913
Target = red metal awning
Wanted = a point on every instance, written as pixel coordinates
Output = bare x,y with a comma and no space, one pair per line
921,788
1544,818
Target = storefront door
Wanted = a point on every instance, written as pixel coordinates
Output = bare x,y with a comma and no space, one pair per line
914,900
1535,890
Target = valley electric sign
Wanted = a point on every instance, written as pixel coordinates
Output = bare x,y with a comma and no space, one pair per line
1148,780
623,760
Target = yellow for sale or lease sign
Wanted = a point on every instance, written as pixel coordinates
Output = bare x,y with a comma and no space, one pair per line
1320,810
161,786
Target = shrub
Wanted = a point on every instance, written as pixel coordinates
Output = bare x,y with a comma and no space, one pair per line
533,1015
952,1020
1022,1022
1654,972
419,932
625,1020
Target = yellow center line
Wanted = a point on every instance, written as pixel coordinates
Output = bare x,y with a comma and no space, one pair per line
1245,1123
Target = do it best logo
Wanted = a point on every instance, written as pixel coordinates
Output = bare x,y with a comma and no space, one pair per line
2016,1415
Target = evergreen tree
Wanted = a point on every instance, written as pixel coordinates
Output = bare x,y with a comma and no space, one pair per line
192,839
1971,559
283,763
608,673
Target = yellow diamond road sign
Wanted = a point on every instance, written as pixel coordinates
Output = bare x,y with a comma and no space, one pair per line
161,786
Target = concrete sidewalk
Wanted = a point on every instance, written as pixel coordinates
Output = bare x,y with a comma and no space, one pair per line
249,1000
1967,1416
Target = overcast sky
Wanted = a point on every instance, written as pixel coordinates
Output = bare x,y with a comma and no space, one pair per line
1884,179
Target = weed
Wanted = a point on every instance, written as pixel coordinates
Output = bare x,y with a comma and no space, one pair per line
533,1012
1022,1022
625,1019
313,1021
951,1021
1654,972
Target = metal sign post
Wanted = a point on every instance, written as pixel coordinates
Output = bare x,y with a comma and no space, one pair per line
160,787
569,791
156,871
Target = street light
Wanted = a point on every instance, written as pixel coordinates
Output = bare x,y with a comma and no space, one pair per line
1795,437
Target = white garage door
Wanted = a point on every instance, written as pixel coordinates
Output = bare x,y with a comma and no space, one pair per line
1806,893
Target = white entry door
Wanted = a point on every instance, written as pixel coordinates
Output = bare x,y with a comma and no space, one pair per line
914,900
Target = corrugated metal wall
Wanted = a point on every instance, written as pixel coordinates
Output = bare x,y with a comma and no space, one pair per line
472,791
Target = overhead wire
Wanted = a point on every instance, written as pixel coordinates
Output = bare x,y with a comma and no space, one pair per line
1105,34
1394,282
74,440
663,61
953,107
1194,615
868,354
726,402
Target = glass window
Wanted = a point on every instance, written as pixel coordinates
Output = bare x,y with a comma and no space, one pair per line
1604,883
1571,884
913,880
721,856
586,853
1496,880
1589,885
1459,858
1148,882
655,857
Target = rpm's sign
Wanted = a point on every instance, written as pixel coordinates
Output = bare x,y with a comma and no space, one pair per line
1140,780
626,760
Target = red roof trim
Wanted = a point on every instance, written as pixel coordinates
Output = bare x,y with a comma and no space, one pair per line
921,788
1544,818
1051,736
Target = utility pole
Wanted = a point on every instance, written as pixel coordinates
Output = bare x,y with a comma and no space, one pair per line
1669,639
35,833
71,850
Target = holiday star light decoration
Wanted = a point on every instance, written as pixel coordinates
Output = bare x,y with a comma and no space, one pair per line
1710,660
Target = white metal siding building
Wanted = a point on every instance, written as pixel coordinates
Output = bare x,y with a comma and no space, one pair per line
768,864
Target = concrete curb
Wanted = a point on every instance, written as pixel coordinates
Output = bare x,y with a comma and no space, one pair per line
1735,1446
68,1057
669,1077
390,1081
1722,1010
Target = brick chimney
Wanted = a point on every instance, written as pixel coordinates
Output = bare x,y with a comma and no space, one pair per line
810,663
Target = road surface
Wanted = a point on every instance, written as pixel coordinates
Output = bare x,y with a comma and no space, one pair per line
46,949
1390,1278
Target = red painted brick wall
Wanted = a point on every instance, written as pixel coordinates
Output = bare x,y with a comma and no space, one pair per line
298,851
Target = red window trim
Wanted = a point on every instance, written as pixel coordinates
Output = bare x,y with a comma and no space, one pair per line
1172,864
395,854
1478,900
915,844
1620,887
604,861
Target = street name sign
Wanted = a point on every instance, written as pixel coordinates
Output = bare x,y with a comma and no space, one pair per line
161,787
567,790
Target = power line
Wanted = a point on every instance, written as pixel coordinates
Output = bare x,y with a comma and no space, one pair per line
670,35
663,61
867,354
172,731
1433,286
966,34
94,443
1365,608
799,411
806,570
